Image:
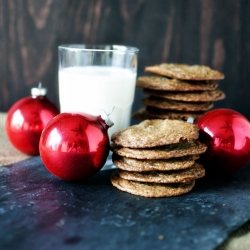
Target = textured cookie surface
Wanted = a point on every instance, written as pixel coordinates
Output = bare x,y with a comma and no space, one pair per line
164,152
164,83
195,96
176,105
131,164
185,71
175,176
158,113
156,132
150,189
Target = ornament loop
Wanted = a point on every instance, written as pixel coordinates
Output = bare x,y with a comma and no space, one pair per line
105,117
39,91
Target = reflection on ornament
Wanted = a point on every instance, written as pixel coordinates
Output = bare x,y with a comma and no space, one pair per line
74,147
27,118
227,135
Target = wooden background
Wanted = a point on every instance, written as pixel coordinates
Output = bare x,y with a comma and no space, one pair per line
211,32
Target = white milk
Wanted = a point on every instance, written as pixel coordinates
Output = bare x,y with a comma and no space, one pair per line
94,89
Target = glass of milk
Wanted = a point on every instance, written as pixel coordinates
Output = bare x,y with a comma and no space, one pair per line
96,78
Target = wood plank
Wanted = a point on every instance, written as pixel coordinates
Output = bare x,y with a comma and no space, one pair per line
29,29
210,32
214,37
242,86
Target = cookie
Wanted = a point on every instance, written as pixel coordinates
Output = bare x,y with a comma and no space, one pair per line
168,84
142,115
176,176
158,113
164,152
176,105
185,72
131,164
195,96
156,132
150,189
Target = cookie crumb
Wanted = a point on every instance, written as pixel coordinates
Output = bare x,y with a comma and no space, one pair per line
160,237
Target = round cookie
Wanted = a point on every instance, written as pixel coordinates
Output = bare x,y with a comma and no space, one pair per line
150,189
197,96
142,115
156,132
185,175
158,113
164,83
131,164
164,152
185,71
164,103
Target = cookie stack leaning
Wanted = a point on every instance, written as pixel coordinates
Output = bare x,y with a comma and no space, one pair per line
157,158
179,91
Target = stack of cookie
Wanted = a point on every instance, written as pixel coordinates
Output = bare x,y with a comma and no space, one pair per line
179,91
157,158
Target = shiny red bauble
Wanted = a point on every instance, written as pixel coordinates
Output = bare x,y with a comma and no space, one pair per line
27,118
227,135
74,147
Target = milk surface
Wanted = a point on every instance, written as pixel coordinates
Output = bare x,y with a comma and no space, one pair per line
94,89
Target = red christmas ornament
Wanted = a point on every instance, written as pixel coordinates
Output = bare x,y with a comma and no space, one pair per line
27,118
74,147
227,135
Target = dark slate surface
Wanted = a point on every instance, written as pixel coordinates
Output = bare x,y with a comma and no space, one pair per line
39,211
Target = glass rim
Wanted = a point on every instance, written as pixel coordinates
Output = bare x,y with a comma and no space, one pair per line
99,48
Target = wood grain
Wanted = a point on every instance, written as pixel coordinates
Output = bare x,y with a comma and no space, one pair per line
209,32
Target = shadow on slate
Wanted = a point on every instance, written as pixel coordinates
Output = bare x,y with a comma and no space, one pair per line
39,211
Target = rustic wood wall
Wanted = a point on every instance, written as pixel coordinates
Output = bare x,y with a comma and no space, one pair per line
211,32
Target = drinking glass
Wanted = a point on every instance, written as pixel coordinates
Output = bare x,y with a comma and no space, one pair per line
96,78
